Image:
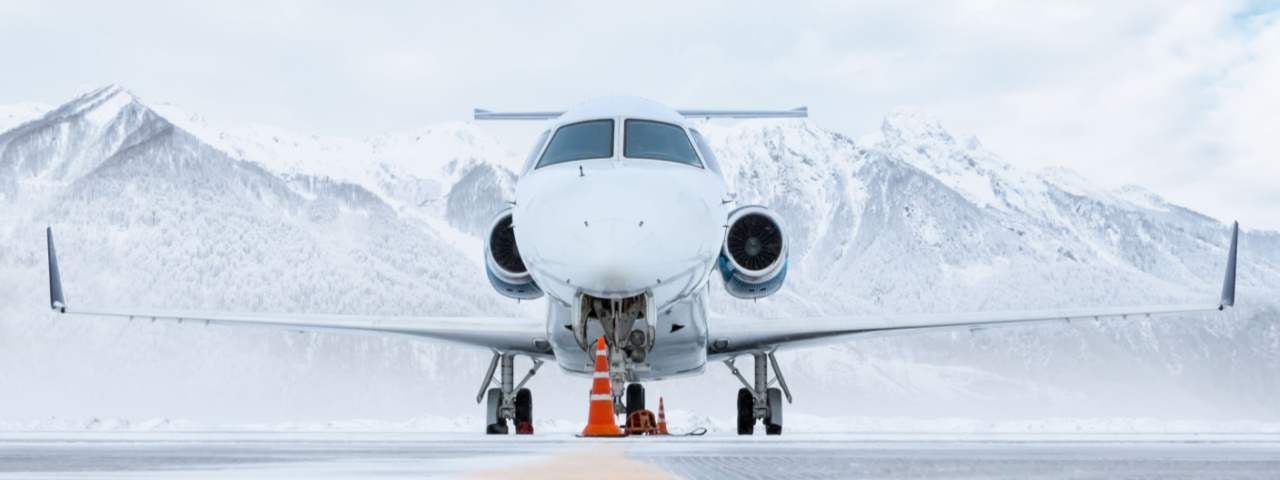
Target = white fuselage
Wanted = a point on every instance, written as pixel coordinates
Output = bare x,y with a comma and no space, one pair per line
619,227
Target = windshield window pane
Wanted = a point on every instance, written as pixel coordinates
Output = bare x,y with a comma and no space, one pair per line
708,157
658,141
537,148
580,141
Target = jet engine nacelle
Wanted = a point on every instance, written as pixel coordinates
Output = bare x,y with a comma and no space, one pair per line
753,260
502,262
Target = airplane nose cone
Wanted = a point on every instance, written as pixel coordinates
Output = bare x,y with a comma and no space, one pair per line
619,233
609,252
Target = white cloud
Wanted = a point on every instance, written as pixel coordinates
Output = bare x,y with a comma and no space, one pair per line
1177,98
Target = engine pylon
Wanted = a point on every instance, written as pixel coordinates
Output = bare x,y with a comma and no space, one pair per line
600,417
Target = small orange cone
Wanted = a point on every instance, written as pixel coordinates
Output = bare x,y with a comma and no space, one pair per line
662,418
600,418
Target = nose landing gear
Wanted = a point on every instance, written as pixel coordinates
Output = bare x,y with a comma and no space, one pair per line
761,401
629,329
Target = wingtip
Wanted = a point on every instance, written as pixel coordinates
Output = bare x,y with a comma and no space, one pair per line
1229,280
56,300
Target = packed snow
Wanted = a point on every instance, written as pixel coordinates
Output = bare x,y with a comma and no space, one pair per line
560,456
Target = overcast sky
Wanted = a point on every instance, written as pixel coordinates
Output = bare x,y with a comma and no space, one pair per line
1181,99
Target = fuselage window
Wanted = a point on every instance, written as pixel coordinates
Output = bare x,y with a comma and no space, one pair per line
579,141
658,141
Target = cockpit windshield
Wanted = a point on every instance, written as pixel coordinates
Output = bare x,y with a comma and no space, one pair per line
579,141
537,148
658,141
704,148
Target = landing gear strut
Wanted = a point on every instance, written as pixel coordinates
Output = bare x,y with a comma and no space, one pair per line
508,401
629,330
760,401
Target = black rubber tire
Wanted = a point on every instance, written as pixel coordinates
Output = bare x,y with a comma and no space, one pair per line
524,407
746,418
496,426
635,398
773,421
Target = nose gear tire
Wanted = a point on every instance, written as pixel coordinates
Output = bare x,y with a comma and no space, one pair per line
635,398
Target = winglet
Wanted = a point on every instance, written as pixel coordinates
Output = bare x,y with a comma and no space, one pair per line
1229,283
56,301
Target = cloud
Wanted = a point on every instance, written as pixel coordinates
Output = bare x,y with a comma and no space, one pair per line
1174,97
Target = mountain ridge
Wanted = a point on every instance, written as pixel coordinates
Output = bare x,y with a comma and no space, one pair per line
155,211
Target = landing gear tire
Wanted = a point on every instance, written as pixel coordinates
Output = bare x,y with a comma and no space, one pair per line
635,398
773,421
746,418
496,425
524,412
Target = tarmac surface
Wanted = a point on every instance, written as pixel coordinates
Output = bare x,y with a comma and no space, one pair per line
424,455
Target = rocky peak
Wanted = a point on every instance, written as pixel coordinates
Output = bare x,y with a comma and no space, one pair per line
912,125
100,106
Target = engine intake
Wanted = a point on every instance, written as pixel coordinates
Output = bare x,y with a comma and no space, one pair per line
753,261
502,261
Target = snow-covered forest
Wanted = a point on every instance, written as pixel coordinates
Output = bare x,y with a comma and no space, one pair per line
154,206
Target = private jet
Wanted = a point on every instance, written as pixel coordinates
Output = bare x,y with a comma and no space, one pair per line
621,217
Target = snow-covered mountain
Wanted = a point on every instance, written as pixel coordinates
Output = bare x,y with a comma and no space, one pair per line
156,206
15,114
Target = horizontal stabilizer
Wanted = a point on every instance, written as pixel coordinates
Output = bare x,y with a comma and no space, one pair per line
481,114
800,112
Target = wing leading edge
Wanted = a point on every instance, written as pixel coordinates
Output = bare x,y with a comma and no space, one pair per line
515,335
733,337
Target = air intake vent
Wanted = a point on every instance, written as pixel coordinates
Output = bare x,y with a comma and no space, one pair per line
502,245
754,242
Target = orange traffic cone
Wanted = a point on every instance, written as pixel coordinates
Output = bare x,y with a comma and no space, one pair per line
662,418
600,418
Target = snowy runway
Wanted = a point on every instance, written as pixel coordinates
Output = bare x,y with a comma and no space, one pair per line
397,455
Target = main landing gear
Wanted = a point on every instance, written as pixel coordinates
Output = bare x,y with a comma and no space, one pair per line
507,401
761,401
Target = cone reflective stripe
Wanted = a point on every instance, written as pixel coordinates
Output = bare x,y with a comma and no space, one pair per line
600,417
662,418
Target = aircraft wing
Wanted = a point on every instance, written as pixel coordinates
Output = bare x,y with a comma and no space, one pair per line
731,337
516,335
